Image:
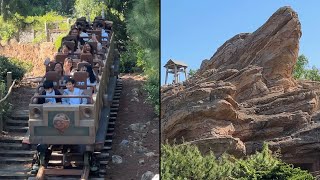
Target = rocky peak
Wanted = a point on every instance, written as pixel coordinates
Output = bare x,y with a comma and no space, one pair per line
245,95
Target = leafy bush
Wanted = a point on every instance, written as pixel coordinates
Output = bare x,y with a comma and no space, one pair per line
186,162
17,67
58,41
129,58
93,7
152,88
302,72
9,28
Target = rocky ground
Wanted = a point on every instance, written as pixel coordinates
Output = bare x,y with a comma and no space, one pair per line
135,149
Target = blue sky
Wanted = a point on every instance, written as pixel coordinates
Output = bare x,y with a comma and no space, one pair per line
192,31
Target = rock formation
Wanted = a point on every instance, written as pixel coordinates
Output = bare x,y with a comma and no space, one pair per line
245,95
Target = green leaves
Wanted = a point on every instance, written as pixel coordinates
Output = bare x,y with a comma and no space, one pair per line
91,7
301,72
186,162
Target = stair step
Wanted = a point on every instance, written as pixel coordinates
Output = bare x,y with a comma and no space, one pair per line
104,162
107,148
112,119
108,141
109,134
102,171
116,105
11,139
17,122
7,174
110,129
17,129
11,146
16,160
114,109
20,115
17,153
103,155
113,113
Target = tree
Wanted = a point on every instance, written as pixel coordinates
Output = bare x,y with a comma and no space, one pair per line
301,71
8,8
192,72
185,161
143,29
300,67
93,8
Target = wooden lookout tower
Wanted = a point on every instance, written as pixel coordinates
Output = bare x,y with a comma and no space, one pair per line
175,67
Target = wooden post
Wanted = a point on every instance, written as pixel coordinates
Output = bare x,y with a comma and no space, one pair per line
9,79
185,73
165,82
175,74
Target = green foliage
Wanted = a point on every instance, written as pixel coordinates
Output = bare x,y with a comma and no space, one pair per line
143,29
143,22
58,41
17,67
300,67
186,162
312,74
91,7
301,72
152,87
9,28
192,72
25,8
5,106
129,58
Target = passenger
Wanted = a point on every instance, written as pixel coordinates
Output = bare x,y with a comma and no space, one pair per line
67,67
75,32
87,48
104,33
71,90
83,34
65,49
91,80
58,67
94,39
49,91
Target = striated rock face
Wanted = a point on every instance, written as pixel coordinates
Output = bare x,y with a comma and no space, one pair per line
245,95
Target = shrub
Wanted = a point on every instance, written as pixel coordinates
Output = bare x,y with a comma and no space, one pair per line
17,67
152,88
186,162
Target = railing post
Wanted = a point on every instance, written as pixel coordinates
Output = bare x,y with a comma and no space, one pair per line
9,79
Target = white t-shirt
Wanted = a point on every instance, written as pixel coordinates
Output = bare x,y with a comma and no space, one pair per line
83,34
52,100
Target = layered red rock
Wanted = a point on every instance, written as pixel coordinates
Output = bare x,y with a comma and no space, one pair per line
246,95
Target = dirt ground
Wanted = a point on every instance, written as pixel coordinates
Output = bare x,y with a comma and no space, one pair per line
138,147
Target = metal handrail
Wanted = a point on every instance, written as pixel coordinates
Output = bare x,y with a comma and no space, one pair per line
59,96
9,92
